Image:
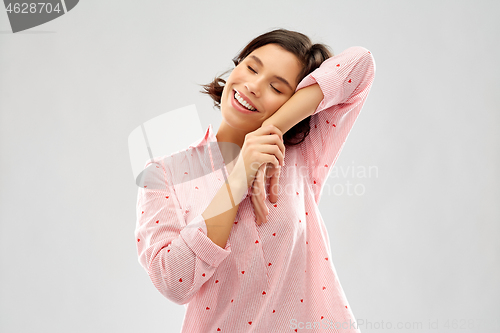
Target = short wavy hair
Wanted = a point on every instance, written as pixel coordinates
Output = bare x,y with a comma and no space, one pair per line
310,56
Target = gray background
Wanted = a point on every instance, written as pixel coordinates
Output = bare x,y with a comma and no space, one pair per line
420,245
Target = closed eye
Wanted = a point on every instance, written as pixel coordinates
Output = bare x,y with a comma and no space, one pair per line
250,68
279,92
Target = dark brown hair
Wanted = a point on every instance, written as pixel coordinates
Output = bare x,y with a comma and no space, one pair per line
310,56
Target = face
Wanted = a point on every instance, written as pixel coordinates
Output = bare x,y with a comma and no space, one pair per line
263,82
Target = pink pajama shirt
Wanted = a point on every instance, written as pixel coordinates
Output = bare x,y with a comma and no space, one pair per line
276,277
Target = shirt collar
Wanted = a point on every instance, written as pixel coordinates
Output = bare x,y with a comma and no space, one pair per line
208,137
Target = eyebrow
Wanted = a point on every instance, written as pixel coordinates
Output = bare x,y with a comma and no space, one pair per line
282,79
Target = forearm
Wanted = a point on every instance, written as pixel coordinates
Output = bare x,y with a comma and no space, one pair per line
300,106
220,214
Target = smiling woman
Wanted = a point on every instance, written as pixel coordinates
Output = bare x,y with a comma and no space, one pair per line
240,262
289,56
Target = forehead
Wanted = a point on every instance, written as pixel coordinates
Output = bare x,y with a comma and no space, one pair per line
278,61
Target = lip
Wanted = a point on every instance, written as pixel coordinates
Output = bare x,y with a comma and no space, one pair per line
246,99
238,106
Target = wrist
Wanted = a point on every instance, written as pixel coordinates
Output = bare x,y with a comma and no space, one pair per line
238,182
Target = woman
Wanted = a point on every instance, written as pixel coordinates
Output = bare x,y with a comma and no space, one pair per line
238,262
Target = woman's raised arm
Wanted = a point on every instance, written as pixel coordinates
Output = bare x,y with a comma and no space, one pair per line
345,81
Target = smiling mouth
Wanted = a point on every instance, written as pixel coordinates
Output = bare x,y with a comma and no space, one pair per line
242,102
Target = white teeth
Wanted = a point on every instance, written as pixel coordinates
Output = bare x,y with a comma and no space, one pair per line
243,102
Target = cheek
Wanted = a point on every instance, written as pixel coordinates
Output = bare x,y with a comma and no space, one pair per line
279,102
273,106
236,74
228,88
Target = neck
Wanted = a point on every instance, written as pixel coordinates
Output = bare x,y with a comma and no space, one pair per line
225,136
227,133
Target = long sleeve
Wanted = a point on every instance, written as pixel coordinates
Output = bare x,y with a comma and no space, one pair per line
345,81
178,256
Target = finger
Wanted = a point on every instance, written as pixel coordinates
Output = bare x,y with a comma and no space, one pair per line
257,210
271,129
275,157
274,184
256,196
261,194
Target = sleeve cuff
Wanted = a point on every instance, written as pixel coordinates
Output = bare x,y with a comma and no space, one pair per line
329,82
195,236
331,87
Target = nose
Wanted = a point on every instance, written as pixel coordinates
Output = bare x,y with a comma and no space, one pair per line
253,87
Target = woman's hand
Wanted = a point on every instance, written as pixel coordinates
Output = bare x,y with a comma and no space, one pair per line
259,190
261,147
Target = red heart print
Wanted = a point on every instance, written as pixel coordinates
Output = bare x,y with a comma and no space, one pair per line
269,264
322,317
300,221
236,222
334,125
302,301
145,186
218,329
256,241
338,65
250,323
274,311
274,234
138,239
297,193
143,212
295,330
326,165
346,306
315,126
242,272
307,242
166,197
232,300
157,221
185,173
168,250
314,182
207,308
327,122
203,274
326,258
349,81
275,205
196,187
180,280
324,287
263,293
307,213
216,281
